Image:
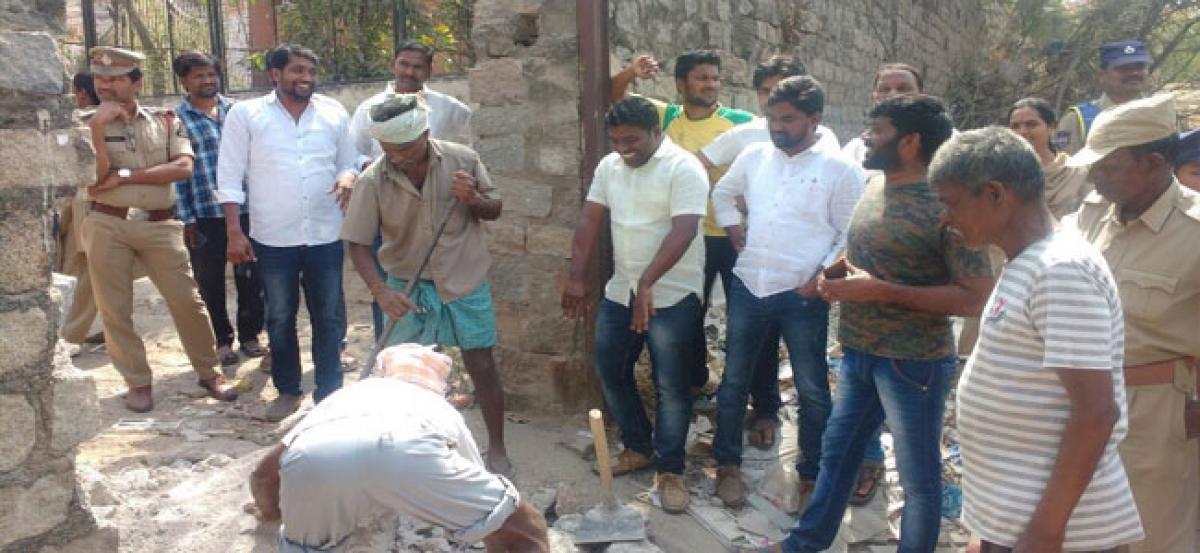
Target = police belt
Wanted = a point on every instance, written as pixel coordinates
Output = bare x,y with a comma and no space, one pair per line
123,212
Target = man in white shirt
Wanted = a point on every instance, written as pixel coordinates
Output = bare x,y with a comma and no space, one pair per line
1042,401
449,120
726,147
292,149
655,194
799,199
764,388
390,444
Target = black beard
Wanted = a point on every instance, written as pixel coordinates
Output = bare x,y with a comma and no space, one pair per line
882,157
700,102
785,141
298,95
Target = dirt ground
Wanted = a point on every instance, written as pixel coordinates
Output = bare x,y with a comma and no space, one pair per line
175,479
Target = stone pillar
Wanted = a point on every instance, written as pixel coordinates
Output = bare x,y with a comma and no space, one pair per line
526,87
46,405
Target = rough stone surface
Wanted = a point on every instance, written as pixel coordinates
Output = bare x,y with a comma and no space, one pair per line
24,341
549,240
24,259
29,63
74,411
841,43
525,199
37,159
102,540
506,238
18,429
498,82
29,511
505,153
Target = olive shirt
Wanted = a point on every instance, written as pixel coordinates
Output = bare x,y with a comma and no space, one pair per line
384,200
896,234
1156,261
153,138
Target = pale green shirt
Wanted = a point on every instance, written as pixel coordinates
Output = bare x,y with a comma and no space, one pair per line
641,202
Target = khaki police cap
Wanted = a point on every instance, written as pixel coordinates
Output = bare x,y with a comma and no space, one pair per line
107,60
1129,124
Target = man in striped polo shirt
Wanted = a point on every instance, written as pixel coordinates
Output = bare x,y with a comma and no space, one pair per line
1041,403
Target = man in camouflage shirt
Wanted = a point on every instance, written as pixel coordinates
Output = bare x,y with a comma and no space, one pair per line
905,273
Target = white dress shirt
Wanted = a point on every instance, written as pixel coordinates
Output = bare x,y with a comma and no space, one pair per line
726,147
641,202
799,208
289,168
449,119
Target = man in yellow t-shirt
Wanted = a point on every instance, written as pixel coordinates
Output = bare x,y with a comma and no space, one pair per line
692,125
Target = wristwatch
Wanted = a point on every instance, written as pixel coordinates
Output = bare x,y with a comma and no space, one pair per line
124,173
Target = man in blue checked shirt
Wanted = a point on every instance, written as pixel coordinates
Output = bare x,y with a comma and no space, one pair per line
202,112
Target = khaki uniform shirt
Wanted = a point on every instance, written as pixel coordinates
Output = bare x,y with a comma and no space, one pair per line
385,199
154,137
1069,123
1156,260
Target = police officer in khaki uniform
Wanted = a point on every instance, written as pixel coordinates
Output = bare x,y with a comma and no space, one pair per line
1148,226
1124,70
140,152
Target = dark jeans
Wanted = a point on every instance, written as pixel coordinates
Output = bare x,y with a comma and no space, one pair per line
912,394
719,259
617,350
804,325
317,270
208,264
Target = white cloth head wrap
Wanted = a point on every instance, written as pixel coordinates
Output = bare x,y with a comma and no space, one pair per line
404,127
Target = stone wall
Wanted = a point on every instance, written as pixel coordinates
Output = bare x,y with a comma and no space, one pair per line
47,407
841,42
525,91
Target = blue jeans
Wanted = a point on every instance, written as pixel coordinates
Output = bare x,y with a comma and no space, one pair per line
317,270
672,330
912,394
874,454
804,325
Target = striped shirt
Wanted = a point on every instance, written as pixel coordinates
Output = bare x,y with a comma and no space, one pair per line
1056,306
197,197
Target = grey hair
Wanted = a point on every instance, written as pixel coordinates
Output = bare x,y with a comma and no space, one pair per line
991,154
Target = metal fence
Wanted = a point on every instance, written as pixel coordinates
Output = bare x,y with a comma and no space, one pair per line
354,38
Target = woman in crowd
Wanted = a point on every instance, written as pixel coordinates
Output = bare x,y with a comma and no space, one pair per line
1035,121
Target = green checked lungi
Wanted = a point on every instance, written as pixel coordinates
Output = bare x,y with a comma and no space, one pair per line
468,322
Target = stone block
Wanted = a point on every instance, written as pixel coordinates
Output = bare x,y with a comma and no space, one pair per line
24,340
502,154
74,411
549,240
29,63
510,278
24,259
36,159
29,511
105,539
558,159
525,199
547,332
505,238
18,426
492,121
498,82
